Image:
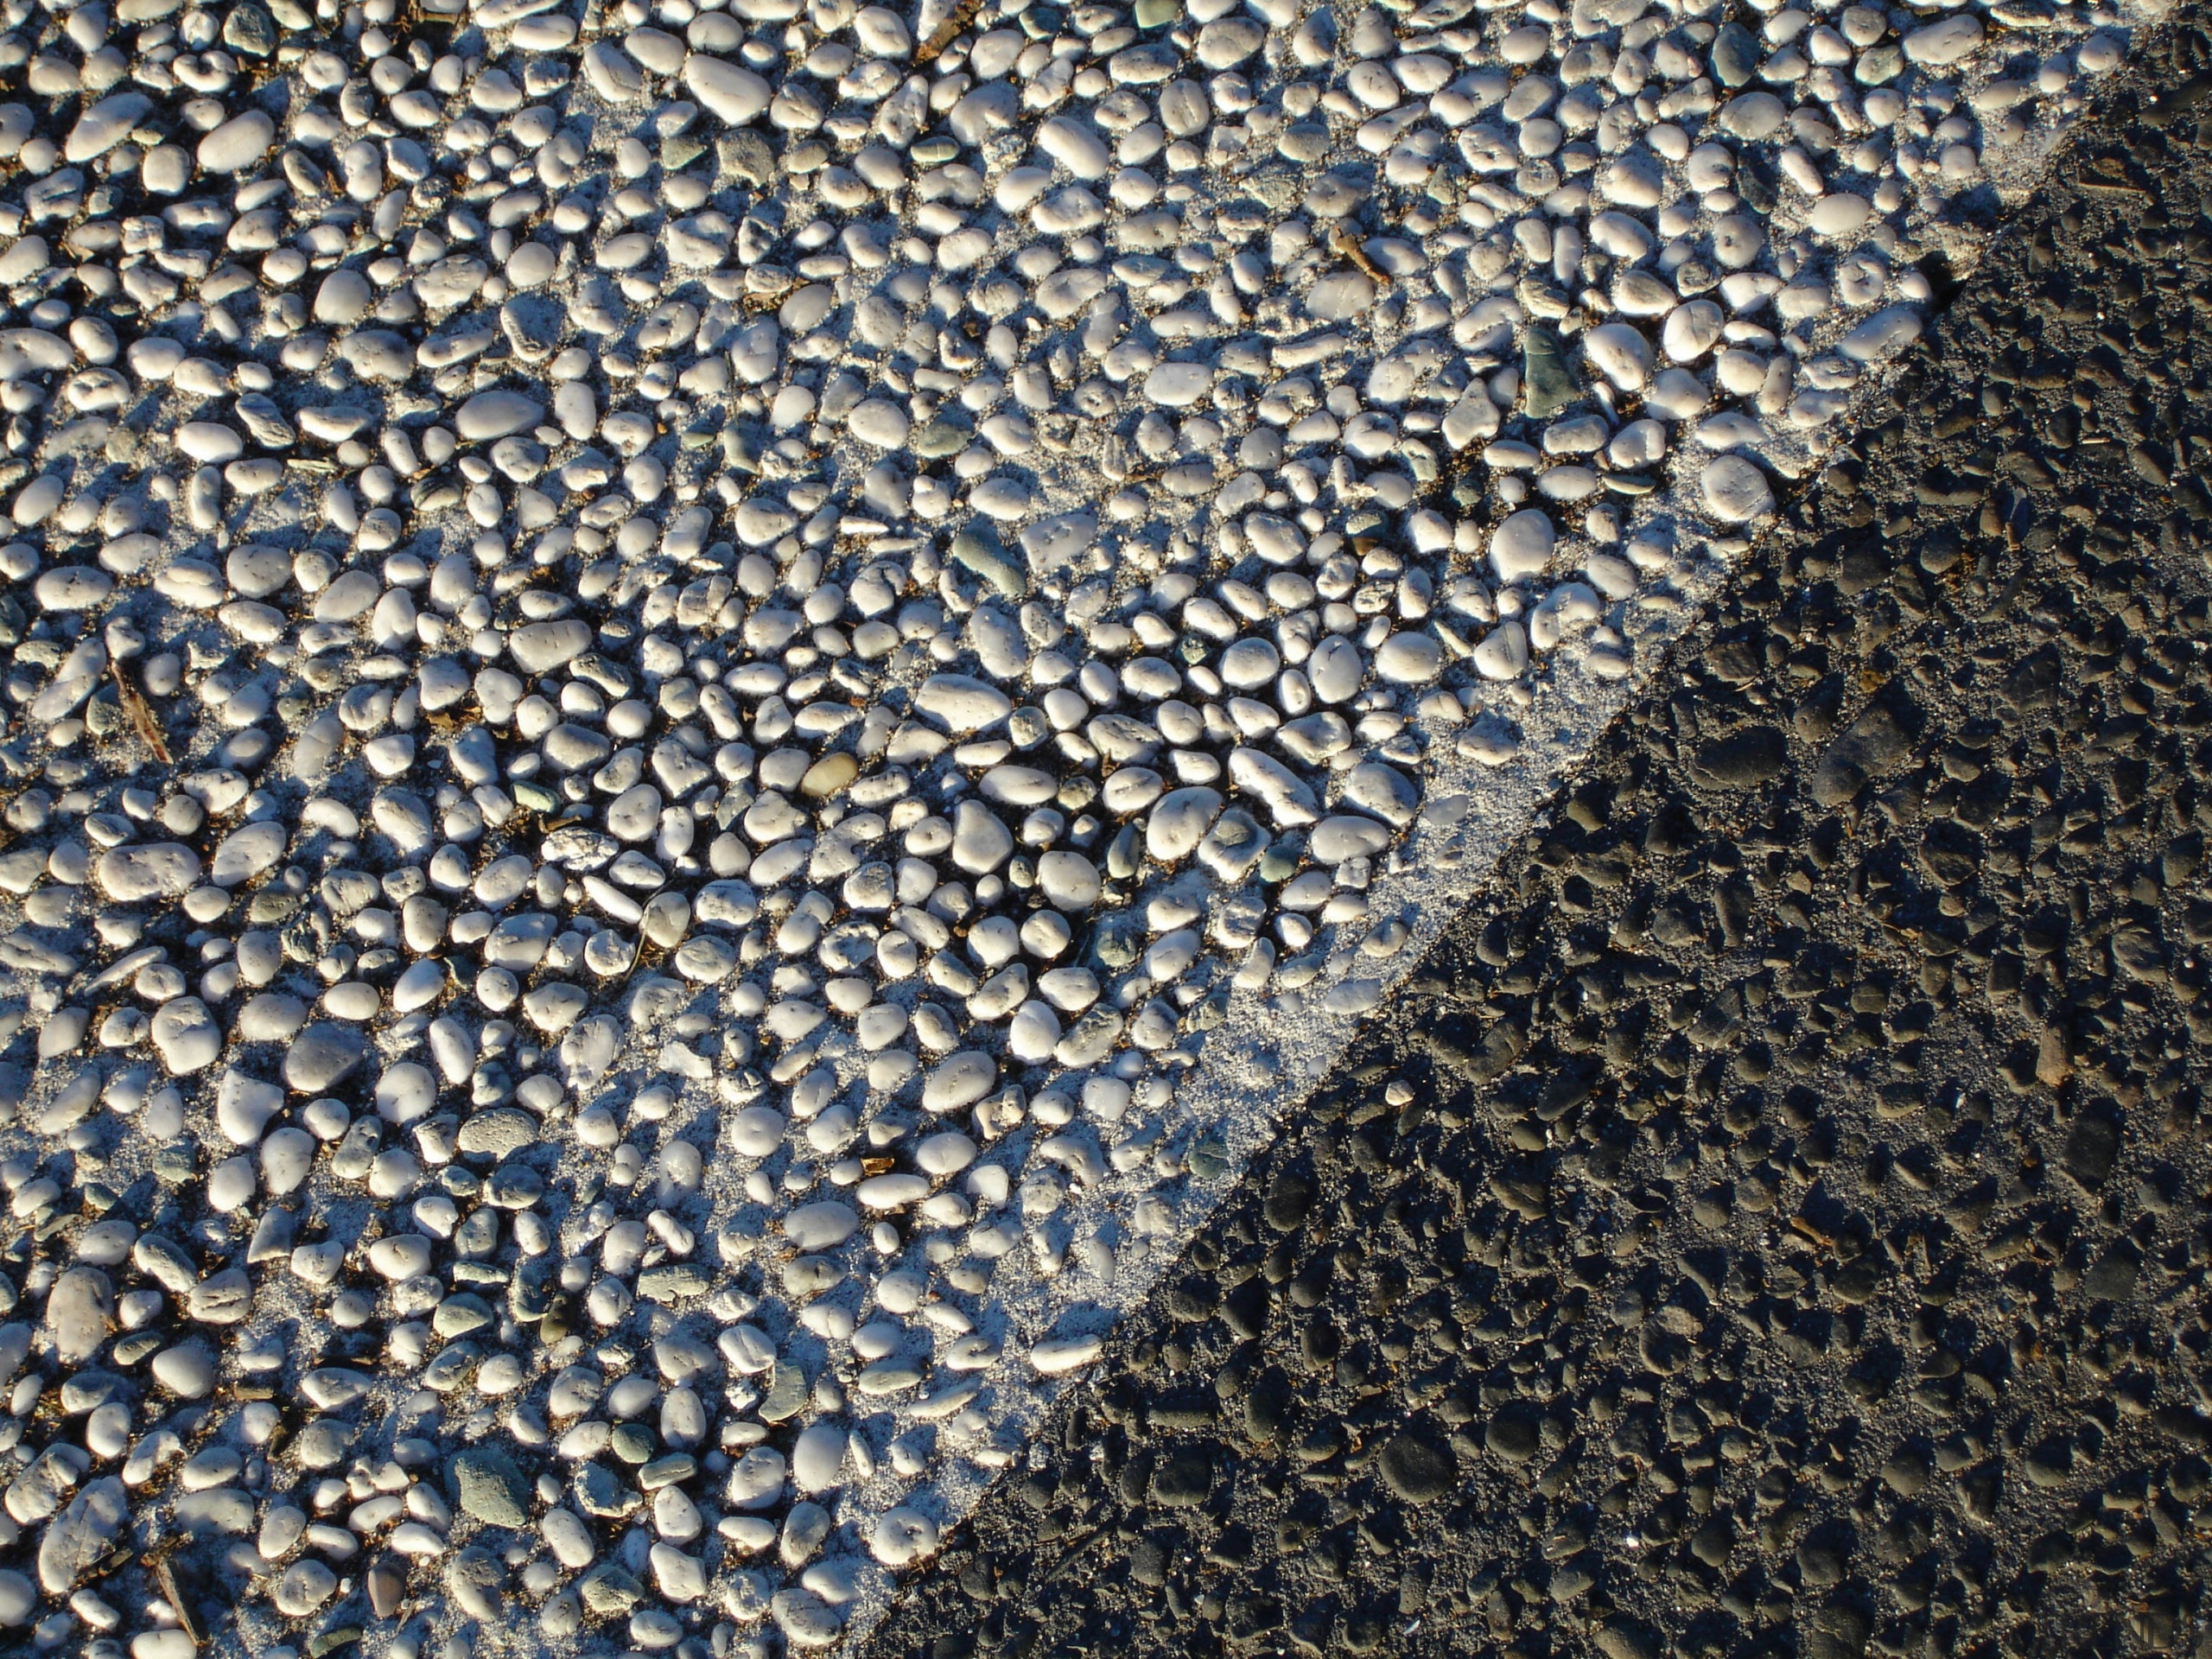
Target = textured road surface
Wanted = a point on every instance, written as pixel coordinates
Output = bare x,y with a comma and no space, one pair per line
1779,1219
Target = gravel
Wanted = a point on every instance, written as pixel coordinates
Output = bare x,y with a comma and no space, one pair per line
714,706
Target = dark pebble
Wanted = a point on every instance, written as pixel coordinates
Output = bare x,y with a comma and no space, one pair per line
1515,1435
1743,760
1290,1199
1416,1469
1183,1477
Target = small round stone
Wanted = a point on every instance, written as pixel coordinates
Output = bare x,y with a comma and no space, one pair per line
1734,491
1521,546
238,143
1416,1468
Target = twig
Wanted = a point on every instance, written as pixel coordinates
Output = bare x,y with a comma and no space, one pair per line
167,1580
1348,244
1805,1228
142,716
948,31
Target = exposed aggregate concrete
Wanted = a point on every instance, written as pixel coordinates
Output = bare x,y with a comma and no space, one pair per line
1777,1220
439,1205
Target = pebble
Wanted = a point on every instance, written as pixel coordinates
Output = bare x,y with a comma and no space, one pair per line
902,1537
1622,354
1060,1354
187,1370
1735,491
132,875
732,95
82,1534
1076,146
79,1313
818,1458
303,1587
1838,215
238,143
880,424
1179,821
488,1485
490,415
1945,41
104,125
820,1226
320,1056
1416,1468
1521,546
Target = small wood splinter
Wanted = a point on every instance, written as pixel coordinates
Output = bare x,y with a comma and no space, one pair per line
1805,1228
165,1579
1348,244
142,717
948,31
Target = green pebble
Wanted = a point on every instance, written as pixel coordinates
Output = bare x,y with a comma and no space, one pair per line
668,1471
487,1484
1547,386
978,550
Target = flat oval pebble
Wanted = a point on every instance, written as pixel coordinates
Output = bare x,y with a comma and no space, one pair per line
1409,658
1840,214
820,1226
73,587
1059,1354
132,874
731,94
892,1191
184,1033
879,423
496,414
960,1081
1620,353
902,1537
238,143
106,124
1179,821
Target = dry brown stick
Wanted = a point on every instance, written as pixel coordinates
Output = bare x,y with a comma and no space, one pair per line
142,716
948,31
1805,1228
1348,244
